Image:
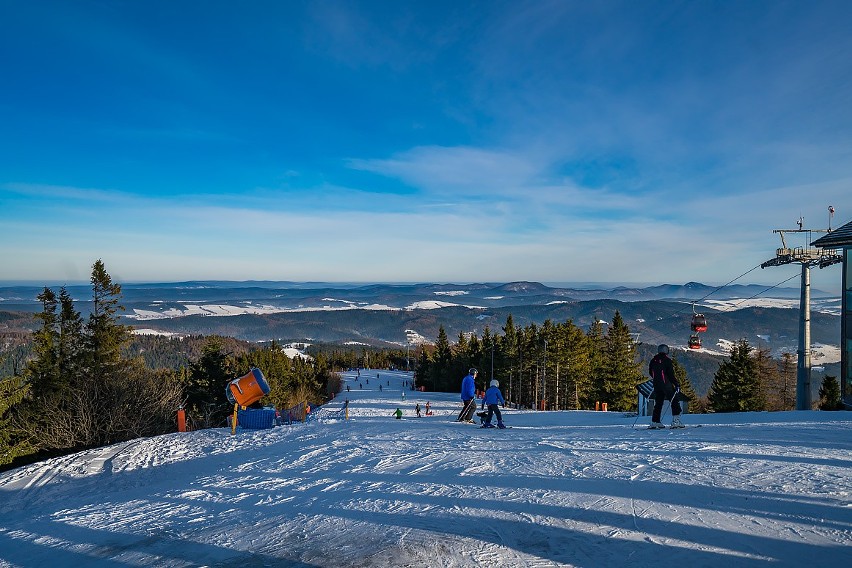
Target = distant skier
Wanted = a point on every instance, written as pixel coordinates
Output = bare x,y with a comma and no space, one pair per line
417,409
468,396
428,408
666,387
493,398
398,414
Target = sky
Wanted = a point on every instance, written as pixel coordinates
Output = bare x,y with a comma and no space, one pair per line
570,488
377,141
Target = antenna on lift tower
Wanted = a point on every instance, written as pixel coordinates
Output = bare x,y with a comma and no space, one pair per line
807,257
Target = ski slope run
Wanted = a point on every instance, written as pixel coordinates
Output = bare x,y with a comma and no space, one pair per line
557,489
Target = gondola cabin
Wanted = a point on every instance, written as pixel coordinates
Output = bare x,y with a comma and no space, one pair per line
699,323
694,341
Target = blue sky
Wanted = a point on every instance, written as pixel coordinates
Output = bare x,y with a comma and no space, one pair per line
554,141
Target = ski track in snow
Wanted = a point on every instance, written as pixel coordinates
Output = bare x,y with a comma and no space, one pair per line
558,489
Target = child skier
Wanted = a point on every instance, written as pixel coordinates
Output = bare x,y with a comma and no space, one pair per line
493,398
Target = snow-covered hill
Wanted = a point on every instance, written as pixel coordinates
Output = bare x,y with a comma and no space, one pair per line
557,489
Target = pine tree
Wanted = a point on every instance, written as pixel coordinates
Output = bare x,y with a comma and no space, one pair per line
683,380
735,385
106,336
42,372
596,349
829,394
423,373
205,385
786,390
441,367
768,379
71,340
579,383
14,443
621,372
509,349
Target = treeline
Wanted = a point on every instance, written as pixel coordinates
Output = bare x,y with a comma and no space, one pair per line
751,380
561,367
555,366
80,387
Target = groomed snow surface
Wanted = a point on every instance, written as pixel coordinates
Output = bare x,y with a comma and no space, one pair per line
557,489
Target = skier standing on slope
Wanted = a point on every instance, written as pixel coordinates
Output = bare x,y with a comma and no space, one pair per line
493,398
468,396
666,387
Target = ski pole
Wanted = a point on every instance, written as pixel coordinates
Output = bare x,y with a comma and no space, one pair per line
677,390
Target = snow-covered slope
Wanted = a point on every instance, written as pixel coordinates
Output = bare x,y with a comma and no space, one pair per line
557,489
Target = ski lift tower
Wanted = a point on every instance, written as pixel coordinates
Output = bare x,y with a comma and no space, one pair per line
807,257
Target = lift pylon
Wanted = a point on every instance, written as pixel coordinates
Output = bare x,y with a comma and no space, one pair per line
807,257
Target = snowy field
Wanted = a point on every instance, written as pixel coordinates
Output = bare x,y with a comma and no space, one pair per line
557,489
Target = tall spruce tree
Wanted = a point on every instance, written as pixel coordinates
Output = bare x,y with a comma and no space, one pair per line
106,336
443,358
72,342
597,354
829,394
735,385
509,349
579,368
42,371
621,370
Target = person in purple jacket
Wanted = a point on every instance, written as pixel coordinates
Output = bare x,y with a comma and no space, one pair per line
493,398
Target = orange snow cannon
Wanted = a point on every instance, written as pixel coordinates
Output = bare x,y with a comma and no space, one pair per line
247,389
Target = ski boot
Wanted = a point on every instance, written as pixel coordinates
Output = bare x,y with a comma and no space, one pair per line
656,426
501,426
676,423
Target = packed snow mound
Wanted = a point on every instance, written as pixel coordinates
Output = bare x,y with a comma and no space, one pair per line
572,488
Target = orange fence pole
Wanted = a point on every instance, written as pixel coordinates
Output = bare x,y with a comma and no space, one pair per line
181,418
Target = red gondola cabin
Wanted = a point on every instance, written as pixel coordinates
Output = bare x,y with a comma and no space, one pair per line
699,323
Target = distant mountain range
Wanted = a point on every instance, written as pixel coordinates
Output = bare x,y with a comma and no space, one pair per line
407,314
150,301
404,313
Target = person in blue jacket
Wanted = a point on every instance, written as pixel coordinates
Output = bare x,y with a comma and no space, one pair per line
493,398
468,396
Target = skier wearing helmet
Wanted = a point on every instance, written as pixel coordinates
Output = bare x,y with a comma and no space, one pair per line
468,396
666,387
493,399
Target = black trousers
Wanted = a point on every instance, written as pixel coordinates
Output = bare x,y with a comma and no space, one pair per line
468,410
661,396
492,410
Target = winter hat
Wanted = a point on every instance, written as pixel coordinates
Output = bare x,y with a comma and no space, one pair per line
663,349
472,371
494,383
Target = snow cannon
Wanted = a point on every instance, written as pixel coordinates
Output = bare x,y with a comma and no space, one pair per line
247,389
